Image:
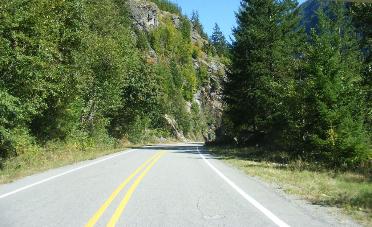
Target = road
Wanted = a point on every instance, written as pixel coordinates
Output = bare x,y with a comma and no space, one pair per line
165,185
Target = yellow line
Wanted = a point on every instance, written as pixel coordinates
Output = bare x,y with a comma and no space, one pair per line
107,203
115,217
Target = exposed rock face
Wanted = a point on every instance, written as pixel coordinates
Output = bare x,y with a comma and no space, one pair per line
209,96
152,56
173,126
176,21
145,14
195,36
197,39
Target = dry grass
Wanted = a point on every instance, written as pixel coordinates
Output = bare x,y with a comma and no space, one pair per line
347,190
57,154
49,157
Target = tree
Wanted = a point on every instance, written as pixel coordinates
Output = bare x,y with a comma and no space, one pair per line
34,62
76,71
169,6
219,41
58,119
361,14
197,25
334,102
263,65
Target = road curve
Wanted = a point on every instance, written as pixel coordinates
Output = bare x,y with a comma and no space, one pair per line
164,185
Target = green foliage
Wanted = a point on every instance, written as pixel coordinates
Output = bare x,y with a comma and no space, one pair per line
334,101
141,101
168,6
203,74
35,58
261,81
10,119
310,99
176,54
209,49
198,123
185,28
178,76
219,42
197,25
74,71
142,41
361,14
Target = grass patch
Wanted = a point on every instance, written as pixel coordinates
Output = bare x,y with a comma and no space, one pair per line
350,191
51,156
58,154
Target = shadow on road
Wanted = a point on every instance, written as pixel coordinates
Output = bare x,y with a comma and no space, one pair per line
190,148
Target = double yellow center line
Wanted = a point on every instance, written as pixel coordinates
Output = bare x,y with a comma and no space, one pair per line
119,210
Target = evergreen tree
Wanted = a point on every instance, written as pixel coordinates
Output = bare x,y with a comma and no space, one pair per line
197,25
74,71
262,66
219,42
334,129
361,14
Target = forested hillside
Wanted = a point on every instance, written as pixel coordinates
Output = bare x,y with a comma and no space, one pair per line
83,74
289,100
300,81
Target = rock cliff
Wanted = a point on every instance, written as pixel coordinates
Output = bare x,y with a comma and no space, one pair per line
147,16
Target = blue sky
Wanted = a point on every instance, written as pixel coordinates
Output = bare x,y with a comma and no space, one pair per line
211,11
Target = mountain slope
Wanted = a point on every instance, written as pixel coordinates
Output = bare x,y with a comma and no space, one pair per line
79,77
169,40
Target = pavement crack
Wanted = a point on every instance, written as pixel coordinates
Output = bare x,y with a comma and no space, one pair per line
198,205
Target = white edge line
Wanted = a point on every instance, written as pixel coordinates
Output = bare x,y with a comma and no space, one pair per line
62,174
251,200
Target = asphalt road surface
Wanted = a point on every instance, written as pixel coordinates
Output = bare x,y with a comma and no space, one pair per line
165,185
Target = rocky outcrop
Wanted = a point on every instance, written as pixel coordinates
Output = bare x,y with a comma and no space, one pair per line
176,21
209,96
145,14
172,124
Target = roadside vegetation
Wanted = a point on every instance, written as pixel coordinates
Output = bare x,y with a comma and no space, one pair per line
58,154
307,93
349,190
300,82
52,155
76,78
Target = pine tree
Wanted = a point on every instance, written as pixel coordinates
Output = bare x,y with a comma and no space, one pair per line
197,25
361,14
261,66
334,129
219,41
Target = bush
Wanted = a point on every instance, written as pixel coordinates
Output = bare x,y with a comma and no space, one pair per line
168,6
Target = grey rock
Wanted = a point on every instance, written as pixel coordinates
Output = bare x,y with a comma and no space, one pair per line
195,36
209,96
172,123
145,14
176,21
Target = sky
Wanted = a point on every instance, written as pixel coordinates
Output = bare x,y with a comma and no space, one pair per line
221,12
